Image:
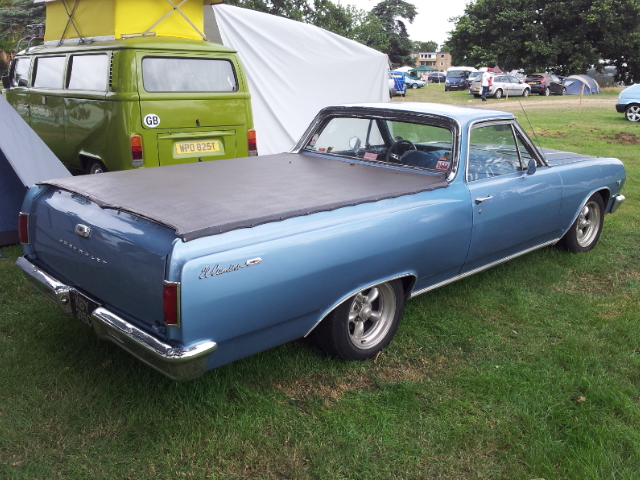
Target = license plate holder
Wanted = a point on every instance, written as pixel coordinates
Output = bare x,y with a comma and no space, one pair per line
203,147
82,307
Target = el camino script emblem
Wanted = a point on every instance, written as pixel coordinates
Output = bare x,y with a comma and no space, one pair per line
208,271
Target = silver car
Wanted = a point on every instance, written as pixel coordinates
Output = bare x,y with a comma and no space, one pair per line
503,85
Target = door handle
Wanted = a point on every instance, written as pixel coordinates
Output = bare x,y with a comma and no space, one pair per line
484,199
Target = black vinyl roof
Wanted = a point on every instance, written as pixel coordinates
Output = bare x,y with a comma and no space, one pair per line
208,198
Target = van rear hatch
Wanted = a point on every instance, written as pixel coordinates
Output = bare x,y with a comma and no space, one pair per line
115,259
196,106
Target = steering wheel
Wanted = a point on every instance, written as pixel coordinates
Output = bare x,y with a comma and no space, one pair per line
394,156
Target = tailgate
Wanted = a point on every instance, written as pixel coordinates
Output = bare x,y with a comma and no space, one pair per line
116,259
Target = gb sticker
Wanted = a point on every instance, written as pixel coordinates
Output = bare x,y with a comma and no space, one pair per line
152,120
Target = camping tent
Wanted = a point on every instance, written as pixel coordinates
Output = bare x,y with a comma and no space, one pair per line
424,68
295,69
575,83
24,160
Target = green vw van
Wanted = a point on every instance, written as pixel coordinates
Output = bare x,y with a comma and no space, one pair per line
135,102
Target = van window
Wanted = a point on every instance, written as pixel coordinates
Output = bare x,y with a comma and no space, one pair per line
88,72
49,72
20,76
164,74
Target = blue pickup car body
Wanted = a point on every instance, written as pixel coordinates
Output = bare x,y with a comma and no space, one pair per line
250,279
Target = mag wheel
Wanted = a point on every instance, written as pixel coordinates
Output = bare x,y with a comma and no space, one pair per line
585,231
632,113
363,325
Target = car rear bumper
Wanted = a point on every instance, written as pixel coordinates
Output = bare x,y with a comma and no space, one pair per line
177,363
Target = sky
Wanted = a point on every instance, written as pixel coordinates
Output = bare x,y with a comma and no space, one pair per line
431,22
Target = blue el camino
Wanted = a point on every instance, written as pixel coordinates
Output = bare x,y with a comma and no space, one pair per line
189,267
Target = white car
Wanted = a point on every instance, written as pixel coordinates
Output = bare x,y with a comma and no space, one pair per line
503,85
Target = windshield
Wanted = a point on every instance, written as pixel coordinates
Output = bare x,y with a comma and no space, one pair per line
413,145
456,74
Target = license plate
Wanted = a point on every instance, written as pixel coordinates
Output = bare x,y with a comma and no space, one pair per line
189,148
531,83
82,307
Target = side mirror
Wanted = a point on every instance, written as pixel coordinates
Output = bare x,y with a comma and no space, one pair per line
531,167
6,83
354,143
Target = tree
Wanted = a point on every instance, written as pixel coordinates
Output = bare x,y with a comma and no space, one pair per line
424,46
15,15
392,14
566,36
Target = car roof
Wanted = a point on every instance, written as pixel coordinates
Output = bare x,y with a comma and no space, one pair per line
142,43
461,114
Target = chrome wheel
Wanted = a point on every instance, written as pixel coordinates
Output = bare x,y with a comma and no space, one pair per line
362,326
371,316
588,224
632,113
585,231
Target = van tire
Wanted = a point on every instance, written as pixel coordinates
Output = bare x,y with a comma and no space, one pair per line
95,166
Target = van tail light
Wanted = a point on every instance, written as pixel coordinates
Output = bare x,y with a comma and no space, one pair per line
137,159
171,303
253,143
23,228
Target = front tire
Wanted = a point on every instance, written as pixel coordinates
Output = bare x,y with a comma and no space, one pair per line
632,113
585,231
363,325
526,92
414,85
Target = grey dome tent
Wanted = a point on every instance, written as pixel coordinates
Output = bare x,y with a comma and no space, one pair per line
24,161
574,84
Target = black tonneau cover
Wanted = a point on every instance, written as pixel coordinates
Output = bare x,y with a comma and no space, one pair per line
201,199
558,157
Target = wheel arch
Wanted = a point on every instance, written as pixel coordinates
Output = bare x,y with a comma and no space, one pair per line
408,280
604,193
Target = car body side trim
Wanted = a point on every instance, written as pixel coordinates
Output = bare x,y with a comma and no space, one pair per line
485,267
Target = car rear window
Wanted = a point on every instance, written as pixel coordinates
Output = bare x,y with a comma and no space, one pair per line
167,74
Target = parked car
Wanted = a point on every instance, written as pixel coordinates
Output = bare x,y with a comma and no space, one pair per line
629,103
189,267
397,87
503,85
437,77
136,102
412,83
546,84
456,80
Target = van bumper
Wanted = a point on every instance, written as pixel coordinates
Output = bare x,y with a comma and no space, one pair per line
177,363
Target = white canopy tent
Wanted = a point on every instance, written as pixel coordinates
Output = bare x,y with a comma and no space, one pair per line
295,69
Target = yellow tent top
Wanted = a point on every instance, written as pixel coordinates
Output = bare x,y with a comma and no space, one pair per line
114,19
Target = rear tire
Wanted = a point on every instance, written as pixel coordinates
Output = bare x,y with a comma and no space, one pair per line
414,85
585,231
546,92
95,166
526,92
364,324
498,94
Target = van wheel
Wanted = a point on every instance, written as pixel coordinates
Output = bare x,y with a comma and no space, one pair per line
95,166
363,325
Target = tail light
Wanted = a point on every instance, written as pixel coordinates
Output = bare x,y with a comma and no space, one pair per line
137,158
23,228
253,143
171,303
542,80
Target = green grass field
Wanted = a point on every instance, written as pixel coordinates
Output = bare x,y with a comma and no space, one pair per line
530,370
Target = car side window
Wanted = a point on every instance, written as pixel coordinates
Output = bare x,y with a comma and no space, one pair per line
88,72
20,76
493,151
49,72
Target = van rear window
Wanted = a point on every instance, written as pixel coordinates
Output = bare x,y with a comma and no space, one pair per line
164,74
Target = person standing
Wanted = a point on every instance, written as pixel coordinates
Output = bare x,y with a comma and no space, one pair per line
486,84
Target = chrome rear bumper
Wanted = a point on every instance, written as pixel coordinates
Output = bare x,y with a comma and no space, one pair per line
617,201
179,364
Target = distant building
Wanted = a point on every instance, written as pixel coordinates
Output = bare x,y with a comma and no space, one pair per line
438,60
